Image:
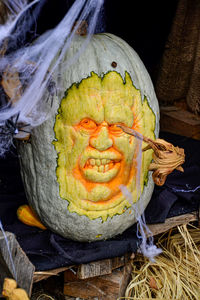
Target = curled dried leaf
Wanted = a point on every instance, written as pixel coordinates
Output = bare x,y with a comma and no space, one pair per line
13,88
11,84
11,292
8,286
166,157
152,283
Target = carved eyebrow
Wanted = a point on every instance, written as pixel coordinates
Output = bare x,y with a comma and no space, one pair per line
119,114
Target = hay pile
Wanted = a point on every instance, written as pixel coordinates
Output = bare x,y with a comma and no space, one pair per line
176,272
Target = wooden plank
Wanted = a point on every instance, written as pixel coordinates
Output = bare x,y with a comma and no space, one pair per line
101,267
179,121
173,222
105,287
125,278
23,269
41,275
96,268
118,262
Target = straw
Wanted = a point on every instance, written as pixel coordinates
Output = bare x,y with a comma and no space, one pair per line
176,271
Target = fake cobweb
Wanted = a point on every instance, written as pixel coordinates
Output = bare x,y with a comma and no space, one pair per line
31,65
145,236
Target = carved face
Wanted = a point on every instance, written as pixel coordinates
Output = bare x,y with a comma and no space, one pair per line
95,156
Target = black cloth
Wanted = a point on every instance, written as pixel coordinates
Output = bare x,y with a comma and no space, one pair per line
181,192
47,250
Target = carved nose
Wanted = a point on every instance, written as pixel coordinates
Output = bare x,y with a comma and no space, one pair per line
102,141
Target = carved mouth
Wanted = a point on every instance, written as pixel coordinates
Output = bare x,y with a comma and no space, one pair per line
101,170
101,165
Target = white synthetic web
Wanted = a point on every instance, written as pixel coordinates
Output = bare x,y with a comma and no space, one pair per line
14,6
16,9
30,108
147,247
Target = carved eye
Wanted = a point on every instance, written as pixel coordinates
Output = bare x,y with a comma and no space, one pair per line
88,124
113,128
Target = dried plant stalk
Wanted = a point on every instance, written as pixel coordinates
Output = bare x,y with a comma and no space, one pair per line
40,297
166,157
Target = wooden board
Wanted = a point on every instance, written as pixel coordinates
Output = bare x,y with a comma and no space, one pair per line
173,222
101,267
176,120
105,287
23,269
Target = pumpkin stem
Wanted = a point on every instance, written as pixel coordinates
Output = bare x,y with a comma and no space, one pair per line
166,157
80,27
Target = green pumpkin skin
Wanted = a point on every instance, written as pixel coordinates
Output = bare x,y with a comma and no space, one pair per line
39,159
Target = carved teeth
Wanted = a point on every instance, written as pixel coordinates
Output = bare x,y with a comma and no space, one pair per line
106,168
92,161
95,168
98,162
101,165
104,161
101,169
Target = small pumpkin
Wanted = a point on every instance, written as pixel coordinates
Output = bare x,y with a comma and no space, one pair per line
29,217
76,161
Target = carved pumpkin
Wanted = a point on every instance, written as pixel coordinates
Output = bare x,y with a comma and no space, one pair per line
76,161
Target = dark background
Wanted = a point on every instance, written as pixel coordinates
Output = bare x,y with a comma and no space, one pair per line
144,24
